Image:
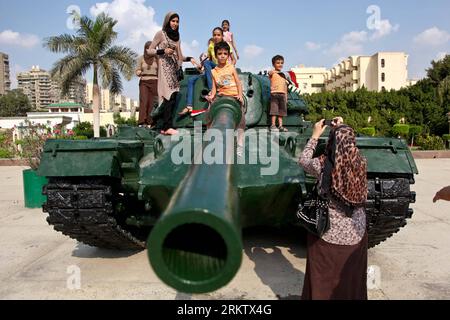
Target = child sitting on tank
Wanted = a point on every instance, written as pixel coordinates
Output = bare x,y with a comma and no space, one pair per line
278,94
210,64
226,83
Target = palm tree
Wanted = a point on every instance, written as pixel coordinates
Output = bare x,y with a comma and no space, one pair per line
92,47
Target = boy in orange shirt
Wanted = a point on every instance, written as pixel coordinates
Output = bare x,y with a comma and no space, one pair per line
278,94
226,83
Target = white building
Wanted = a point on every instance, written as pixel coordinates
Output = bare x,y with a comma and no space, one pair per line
310,80
382,71
108,101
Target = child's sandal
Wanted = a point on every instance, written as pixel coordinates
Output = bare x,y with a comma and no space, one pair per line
283,129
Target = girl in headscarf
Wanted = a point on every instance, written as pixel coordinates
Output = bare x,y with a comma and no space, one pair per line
147,70
166,45
337,263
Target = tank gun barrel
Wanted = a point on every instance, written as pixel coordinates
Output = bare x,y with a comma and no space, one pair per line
196,246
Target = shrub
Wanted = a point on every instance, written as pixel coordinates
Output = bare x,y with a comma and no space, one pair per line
87,129
5,153
430,143
118,120
446,137
401,130
414,131
80,138
370,131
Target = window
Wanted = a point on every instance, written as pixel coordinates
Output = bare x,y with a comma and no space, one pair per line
383,89
383,63
383,77
318,85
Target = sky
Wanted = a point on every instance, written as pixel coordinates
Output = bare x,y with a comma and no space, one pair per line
309,33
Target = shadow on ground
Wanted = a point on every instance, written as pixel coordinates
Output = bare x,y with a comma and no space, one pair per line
88,252
263,247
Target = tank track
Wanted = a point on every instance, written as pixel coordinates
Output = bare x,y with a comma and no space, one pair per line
83,209
387,206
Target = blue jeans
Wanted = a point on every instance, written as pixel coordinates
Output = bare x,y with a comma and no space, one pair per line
190,89
209,65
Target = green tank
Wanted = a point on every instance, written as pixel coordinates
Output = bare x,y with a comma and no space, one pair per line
140,189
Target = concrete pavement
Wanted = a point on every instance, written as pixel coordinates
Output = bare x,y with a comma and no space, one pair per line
39,263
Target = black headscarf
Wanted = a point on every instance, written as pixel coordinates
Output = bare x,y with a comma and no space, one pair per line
172,34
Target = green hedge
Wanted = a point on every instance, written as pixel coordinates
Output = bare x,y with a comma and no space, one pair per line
369,131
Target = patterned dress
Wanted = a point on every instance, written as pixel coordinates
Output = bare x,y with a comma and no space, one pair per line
343,230
167,65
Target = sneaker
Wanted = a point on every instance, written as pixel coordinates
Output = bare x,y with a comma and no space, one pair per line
274,128
283,129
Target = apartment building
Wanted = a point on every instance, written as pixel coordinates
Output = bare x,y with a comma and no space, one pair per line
310,80
108,101
5,80
382,71
37,85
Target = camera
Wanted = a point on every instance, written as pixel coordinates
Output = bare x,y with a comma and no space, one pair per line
328,123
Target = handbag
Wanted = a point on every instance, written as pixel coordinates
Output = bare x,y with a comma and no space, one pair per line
180,74
313,214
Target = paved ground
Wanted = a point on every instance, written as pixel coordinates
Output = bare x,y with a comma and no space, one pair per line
35,260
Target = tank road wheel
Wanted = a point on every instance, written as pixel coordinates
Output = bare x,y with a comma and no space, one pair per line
83,209
388,206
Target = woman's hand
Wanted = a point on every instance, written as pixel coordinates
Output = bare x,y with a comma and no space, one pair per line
319,129
138,73
240,99
169,51
338,121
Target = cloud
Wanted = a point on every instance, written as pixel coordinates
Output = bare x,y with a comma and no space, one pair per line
432,37
252,51
383,29
9,37
312,46
350,44
136,23
191,49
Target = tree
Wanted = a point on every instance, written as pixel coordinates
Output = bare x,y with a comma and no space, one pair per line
92,47
413,132
14,104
